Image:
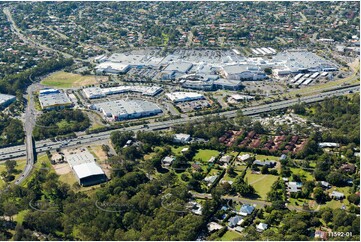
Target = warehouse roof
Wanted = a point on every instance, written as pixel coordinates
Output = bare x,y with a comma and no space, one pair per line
184,96
79,158
54,99
124,107
112,65
299,60
235,69
145,90
87,169
179,66
5,98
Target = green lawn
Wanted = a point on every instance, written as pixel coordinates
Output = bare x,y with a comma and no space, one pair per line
19,218
261,183
230,235
267,157
334,204
298,202
63,79
205,155
177,150
20,166
302,173
68,178
228,178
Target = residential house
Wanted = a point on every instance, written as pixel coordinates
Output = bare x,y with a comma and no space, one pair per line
184,150
337,195
225,159
348,168
246,209
167,161
325,184
196,167
210,179
283,157
261,227
267,163
294,186
181,138
234,221
213,226
244,158
212,159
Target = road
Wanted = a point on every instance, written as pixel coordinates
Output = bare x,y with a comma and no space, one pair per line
44,145
259,203
30,116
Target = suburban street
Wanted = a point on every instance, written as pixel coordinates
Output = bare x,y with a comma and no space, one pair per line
26,39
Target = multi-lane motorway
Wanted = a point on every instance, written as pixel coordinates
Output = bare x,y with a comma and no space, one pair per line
44,145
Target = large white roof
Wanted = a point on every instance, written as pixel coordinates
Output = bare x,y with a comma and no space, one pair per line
87,169
184,96
5,98
79,158
112,65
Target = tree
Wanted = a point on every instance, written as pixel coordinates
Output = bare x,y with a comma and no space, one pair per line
319,195
10,166
354,198
264,170
335,178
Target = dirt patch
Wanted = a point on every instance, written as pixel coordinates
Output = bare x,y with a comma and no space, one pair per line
98,151
62,169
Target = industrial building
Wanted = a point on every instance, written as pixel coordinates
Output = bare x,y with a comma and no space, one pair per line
97,92
54,99
184,96
79,158
6,100
89,174
85,168
301,62
226,84
182,67
127,109
207,63
112,68
243,72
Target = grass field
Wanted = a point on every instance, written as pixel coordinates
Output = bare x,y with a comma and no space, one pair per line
302,173
230,235
20,165
261,183
267,157
205,155
68,178
63,79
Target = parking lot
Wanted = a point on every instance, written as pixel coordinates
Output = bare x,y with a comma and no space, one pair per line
191,106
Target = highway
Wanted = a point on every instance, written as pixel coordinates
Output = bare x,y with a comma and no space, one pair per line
44,145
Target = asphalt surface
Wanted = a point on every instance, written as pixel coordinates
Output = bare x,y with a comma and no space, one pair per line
28,128
44,145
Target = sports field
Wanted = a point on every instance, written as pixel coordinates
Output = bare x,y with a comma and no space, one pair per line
63,79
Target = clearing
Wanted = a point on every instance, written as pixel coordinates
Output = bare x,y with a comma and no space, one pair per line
261,182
